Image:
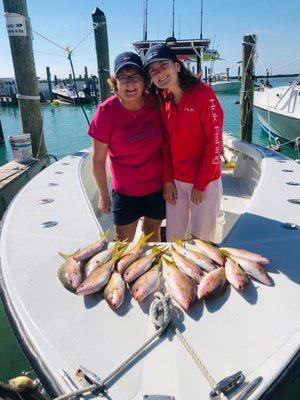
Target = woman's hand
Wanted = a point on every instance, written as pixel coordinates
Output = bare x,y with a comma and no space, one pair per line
104,204
170,192
196,196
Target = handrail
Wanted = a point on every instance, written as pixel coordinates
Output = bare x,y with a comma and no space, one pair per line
289,88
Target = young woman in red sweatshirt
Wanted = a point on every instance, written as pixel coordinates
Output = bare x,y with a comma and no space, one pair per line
194,119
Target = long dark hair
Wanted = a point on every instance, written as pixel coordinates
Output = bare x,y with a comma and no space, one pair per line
186,81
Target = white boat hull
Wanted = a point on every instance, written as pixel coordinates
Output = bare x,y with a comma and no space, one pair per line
226,87
60,330
282,120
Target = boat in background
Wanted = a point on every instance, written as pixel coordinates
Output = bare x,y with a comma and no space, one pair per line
68,94
57,211
221,83
278,111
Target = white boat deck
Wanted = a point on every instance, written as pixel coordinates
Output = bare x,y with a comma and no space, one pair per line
255,331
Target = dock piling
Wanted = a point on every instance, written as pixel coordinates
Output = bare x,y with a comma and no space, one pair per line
247,87
86,78
101,42
49,83
20,38
1,134
227,74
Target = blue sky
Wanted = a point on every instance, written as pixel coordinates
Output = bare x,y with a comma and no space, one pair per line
66,22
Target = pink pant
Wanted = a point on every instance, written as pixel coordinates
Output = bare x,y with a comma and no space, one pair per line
185,218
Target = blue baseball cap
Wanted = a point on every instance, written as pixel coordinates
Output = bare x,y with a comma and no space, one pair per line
159,52
127,59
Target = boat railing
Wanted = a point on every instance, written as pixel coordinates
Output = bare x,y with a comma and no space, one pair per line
289,89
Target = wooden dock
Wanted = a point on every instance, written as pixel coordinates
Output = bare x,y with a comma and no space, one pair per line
13,176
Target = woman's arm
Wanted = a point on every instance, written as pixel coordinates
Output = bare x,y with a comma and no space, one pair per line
99,170
211,114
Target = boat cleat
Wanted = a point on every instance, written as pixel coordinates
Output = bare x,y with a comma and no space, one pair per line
227,385
87,378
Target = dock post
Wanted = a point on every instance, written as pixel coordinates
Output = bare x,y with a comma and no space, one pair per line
20,38
198,64
55,80
101,42
94,88
86,77
247,87
49,83
227,74
205,74
1,134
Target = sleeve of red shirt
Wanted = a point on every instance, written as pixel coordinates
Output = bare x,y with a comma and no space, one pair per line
212,119
167,159
100,127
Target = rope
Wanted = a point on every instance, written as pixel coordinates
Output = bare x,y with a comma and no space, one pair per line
49,40
194,356
51,54
76,90
160,312
87,35
27,97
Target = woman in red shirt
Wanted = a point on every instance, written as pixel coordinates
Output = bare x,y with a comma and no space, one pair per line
130,130
194,119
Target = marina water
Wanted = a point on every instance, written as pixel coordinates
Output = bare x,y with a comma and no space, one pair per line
65,132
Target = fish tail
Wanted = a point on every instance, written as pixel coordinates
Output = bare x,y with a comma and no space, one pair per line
118,251
67,256
158,249
179,242
225,253
143,239
162,249
167,262
124,244
121,244
104,235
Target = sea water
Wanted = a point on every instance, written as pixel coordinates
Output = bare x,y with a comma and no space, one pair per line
65,132
65,126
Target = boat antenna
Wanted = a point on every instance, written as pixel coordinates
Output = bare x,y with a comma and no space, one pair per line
145,20
201,19
173,33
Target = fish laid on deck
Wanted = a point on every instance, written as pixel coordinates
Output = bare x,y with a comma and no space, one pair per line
188,267
133,253
212,284
142,265
114,291
147,283
70,272
93,248
180,286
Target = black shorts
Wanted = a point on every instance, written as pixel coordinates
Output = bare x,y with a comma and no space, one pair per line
127,209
